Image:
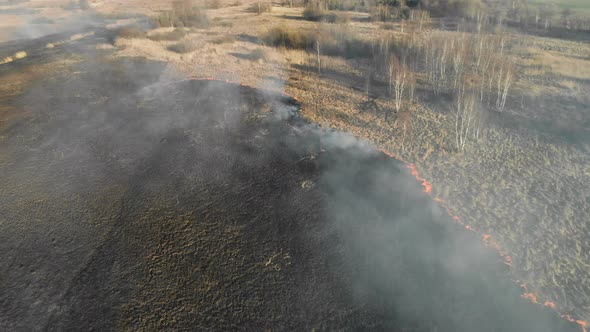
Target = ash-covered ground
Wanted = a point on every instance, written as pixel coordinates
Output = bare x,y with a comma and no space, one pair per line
129,202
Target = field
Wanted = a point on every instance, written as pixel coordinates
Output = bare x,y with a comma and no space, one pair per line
521,184
576,5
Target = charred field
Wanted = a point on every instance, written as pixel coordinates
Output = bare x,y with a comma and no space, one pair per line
130,201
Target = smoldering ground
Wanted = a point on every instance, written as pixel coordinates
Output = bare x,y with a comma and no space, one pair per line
131,201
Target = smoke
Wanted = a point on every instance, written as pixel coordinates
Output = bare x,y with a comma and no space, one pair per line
110,140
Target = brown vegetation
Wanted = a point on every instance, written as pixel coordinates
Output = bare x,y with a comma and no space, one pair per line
183,14
474,104
175,34
316,11
131,32
261,7
185,46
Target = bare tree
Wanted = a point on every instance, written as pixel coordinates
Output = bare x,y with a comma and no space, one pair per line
401,81
459,55
423,18
466,117
503,82
437,55
317,49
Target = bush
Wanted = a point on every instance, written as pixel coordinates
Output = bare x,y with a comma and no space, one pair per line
183,47
195,19
345,43
260,7
225,39
335,42
288,38
183,14
131,32
175,34
315,11
225,24
258,54
388,26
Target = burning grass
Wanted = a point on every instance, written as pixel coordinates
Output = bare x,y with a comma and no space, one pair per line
192,175
482,192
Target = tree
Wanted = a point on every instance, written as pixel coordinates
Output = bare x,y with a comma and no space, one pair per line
503,83
465,8
317,48
401,80
459,53
467,117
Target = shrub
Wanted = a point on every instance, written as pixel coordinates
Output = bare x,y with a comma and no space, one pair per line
175,34
225,24
388,26
258,54
336,42
315,11
185,46
183,14
288,38
225,39
260,7
195,19
131,32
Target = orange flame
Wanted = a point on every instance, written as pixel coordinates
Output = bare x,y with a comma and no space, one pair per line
550,304
427,189
486,239
530,296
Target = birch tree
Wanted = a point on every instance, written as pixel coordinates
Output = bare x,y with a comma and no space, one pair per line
466,117
400,78
504,79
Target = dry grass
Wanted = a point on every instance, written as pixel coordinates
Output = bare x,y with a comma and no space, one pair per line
192,18
557,62
260,7
224,39
185,46
175,34
131,32
315,12
482,185
258,54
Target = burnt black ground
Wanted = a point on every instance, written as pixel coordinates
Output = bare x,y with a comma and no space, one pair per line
133,203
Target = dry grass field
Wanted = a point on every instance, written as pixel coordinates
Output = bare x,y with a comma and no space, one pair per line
524,181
